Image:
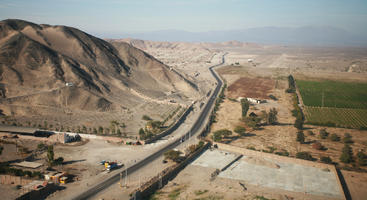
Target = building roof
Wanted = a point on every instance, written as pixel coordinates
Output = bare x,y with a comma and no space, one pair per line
27,164
17,129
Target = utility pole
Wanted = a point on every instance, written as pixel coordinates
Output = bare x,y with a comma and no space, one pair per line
120,179
126,177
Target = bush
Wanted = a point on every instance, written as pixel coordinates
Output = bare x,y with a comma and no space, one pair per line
361,158
334,137
310,133
317,146
347,138
282,153
59,161
300,137
172,155
323,133
326,160
273,97
41,146
298,124
240,130
347,154
219,134
245,106
304,155
146,118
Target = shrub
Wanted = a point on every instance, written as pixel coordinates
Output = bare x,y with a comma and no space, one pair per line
282,153
272,116
59,161
347,138
304,155
41,146
346,156
273,97
298,124
245,106
146,118
310,133
317,146
326,160
300,137
323,133
334,137
240,130
361,158
219,134
172,155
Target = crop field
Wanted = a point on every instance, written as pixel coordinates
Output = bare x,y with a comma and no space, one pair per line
333,94
340,117
334,103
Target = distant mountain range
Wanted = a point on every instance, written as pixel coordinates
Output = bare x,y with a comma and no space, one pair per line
307,35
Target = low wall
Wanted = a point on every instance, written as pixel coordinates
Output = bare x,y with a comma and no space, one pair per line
253,153
162,178
172,128
16,180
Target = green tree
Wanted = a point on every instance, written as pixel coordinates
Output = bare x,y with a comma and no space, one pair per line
245,106
219,134
118,132
326,160
84,129
272,116
95,131
323,133
172,155
347,138
146,118
100,130
298,124
50,155
304,155
361,158
142,135
347,154
310,132
300,137
240,130
334,137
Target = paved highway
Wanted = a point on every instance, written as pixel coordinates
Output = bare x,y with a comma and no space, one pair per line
194,129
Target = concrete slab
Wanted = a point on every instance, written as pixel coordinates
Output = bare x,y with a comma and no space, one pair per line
289,176
215,159
27,164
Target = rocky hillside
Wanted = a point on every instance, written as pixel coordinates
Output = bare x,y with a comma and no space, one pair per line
37,62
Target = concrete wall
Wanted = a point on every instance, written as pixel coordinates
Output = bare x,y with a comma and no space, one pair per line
248,152
16,180
39,194
172,128
162,178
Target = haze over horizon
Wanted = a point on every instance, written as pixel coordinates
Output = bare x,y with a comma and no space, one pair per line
341,22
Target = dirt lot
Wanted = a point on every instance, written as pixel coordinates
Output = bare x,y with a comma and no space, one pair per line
250,87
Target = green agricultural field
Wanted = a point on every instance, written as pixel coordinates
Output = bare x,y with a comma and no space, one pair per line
333,94
340,117
331,103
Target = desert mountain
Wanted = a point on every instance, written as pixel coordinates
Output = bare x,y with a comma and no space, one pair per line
36,62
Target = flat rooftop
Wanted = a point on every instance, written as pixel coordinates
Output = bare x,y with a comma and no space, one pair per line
27,164
17,129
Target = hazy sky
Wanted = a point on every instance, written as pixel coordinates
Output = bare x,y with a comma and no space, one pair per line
118,16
